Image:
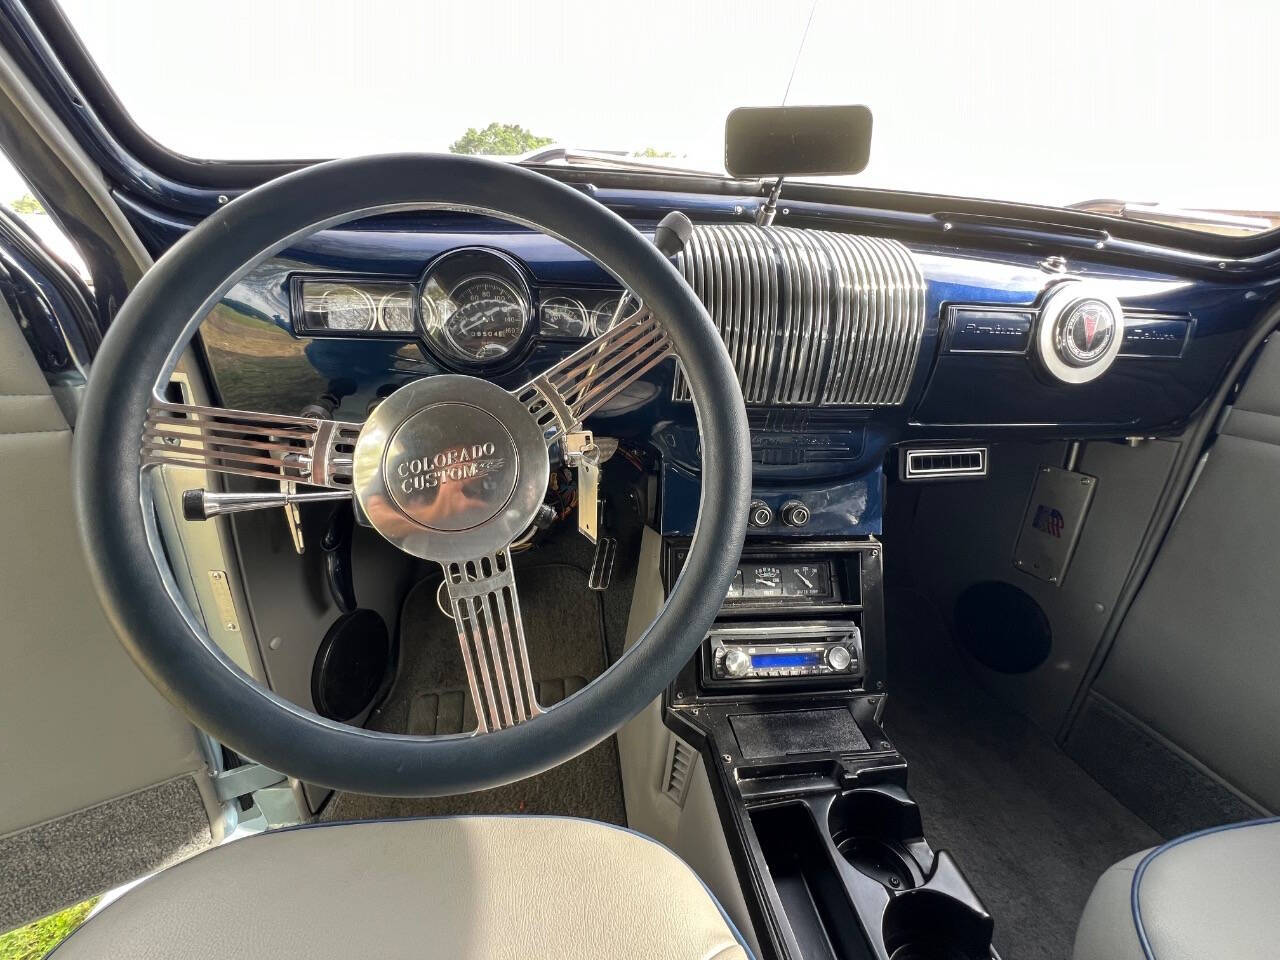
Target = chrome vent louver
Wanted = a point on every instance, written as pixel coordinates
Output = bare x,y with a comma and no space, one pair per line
943,463
810,317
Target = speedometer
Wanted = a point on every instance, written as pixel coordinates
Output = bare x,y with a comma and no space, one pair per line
488,319
475,316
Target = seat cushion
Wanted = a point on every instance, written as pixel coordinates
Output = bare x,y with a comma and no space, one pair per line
462,888
1215,893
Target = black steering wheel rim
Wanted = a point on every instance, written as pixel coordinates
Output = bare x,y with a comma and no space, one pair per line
118,525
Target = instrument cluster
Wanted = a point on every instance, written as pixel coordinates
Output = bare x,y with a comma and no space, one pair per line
472,307
577,314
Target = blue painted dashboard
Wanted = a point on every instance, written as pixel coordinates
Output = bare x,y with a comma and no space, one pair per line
830,457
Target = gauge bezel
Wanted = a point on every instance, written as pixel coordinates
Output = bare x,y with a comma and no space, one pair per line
596,313
360,281
370,300
577,302
511,273
409,290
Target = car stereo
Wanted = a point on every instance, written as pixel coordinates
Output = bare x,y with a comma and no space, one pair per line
793,652
797,614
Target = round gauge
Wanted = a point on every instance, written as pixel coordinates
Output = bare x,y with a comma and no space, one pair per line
480,319
602,317
342,306
474,307
395,312
564,317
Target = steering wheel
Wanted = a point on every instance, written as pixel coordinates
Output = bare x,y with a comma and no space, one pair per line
448,468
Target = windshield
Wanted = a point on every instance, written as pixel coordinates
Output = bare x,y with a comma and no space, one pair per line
1161,106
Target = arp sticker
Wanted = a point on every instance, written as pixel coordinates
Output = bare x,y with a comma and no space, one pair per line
1048,520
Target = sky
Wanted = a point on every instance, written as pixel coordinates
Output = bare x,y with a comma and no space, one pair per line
1173,101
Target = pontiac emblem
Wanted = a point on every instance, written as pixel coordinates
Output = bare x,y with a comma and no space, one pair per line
1085,332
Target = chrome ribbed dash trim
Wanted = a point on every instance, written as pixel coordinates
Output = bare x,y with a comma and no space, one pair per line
809,317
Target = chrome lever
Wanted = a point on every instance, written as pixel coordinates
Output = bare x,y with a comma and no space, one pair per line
200,504
581,453
671,237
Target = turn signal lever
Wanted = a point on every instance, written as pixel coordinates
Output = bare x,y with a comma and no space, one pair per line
671,236
200,504
673,233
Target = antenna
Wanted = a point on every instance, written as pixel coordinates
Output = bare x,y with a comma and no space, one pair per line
769,209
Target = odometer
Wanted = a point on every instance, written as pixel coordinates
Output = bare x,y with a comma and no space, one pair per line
480,318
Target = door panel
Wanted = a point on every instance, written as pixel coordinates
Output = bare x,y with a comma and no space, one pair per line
100,779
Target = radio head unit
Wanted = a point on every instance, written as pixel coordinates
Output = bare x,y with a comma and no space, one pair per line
751,653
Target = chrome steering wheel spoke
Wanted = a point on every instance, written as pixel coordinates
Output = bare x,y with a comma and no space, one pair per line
273,446
486,611
565,395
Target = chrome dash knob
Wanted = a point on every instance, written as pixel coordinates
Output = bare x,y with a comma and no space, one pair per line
759,514
736,662
839,658
795,513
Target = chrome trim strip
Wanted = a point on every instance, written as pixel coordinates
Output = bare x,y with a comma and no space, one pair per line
809,317
912,469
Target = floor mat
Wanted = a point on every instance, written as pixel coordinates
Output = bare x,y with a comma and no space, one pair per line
564,624
1030,829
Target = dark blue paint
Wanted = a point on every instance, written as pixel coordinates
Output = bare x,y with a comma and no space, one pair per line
61,348
846,508
1146,394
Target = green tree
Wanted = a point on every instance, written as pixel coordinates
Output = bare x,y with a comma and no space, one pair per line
499,140
652,153
26,204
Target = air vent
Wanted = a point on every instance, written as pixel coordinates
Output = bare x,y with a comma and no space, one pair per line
679,768
947,463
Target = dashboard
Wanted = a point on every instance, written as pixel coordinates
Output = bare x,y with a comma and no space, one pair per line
845,343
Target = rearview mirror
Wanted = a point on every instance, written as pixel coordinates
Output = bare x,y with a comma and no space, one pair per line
790,141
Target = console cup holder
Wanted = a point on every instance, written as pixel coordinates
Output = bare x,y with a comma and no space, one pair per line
872,827
930,925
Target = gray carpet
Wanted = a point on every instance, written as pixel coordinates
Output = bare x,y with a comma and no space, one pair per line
71,858
1030,829
564,623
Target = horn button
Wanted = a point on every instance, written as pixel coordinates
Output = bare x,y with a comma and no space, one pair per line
450,468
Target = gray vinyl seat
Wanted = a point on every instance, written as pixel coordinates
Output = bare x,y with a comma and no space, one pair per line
1211,894
462,888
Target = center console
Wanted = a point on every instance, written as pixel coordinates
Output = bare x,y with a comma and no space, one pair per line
784,701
